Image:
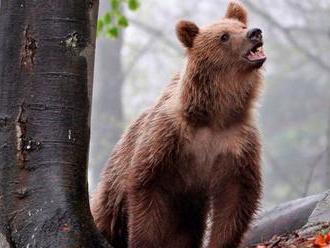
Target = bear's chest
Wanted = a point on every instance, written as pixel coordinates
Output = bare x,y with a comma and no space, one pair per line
205,145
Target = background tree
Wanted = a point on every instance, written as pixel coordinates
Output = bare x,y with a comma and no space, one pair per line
107,112
108,117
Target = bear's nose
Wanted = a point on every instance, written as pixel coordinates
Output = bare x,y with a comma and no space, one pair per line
254,34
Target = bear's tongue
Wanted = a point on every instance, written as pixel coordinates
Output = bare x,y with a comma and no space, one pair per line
257,55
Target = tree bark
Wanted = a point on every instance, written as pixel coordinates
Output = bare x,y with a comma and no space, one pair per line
46,61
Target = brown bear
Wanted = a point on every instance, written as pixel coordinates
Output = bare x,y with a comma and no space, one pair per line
195,155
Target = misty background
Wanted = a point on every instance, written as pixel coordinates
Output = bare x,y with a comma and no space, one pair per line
294,111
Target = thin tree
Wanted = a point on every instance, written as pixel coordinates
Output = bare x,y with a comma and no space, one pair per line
46,71
107,122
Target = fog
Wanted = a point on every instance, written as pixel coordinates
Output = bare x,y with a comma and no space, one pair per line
294,110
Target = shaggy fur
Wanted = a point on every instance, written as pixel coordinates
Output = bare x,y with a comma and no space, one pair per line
196,153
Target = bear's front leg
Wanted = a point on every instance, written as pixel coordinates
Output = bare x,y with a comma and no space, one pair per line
148,220
235,200
149,211
161,220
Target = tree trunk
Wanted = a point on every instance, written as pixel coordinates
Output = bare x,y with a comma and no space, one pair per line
46,60
107,122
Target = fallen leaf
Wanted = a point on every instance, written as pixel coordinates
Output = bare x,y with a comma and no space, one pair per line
327,238
320,241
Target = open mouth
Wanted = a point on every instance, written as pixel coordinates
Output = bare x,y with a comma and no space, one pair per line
256,54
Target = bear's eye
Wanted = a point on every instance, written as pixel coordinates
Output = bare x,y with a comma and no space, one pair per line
225,37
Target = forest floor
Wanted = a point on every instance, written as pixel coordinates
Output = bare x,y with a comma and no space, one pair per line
305,238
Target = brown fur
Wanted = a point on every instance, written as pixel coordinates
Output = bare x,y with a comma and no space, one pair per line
186,32
236,11
195,153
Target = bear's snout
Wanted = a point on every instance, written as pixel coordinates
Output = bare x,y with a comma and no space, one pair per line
254,34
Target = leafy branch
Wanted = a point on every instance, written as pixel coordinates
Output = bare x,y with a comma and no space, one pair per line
114,20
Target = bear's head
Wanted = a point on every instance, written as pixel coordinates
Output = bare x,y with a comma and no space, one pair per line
226,44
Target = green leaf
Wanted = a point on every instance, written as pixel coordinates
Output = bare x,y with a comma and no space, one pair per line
111,23
107,18
100,25
112,32
122,21
133,4
115,4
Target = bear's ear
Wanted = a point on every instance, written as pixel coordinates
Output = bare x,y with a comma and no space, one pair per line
186,32
237,11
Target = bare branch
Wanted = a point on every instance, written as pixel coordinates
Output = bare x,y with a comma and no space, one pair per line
151,30
138,55
280,172
314,165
